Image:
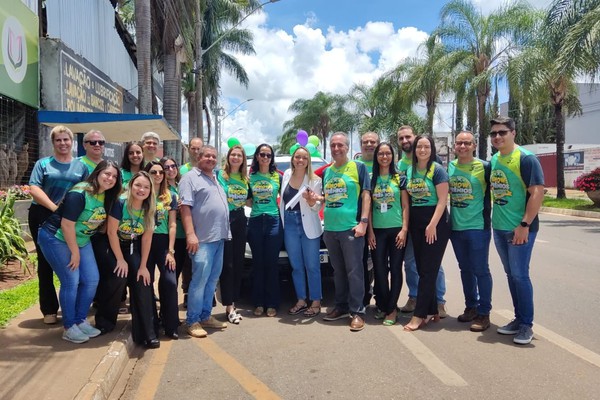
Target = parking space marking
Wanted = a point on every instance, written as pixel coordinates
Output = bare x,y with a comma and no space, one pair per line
561,341
254,386
422,353
156,366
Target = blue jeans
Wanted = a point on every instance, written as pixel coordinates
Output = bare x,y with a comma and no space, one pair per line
265,238
472,250
345,253
304,257
77,287
207,264
515,260
412,276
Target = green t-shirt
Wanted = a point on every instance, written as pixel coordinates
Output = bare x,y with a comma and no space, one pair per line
264,189
421,184
162,212
185,168
130,226
368,164
91,166
403,164
235,188
125,177
179,232
511,175
387,201
86,209
469,195
343,187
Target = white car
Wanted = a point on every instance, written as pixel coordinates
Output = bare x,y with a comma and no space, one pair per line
283,163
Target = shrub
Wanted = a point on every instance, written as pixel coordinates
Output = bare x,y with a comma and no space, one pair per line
19,192
588,182
12,245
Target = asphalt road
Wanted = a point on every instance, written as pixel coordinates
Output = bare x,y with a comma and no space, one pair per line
294,358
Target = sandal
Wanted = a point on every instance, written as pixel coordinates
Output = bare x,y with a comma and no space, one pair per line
271,312
312,311
298,308
233,317
258,311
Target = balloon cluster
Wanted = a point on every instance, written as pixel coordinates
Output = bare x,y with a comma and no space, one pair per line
249,148
310,142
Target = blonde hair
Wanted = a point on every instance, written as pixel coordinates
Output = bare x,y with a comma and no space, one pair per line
243,168
148,205
309,171
58,129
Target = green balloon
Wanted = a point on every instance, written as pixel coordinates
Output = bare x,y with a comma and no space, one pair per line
314,140
312,149
293,148
232,141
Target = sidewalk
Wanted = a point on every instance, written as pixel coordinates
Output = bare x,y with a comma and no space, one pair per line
35,363
571,194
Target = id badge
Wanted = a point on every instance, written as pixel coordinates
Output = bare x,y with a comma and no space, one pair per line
383,208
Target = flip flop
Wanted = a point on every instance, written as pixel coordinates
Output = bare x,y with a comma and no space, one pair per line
297,309
312,312
389,322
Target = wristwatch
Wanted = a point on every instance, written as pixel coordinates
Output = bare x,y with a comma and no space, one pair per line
365,220
524,224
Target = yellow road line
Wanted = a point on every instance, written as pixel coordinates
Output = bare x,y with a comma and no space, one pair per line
149,383
422,353
561,341
245,378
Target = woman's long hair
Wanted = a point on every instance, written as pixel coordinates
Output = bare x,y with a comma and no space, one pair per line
376,171
162,192
125,163
168,158
255,167
243,169
149,203
111,195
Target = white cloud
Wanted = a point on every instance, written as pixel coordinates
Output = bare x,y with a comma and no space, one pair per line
288,66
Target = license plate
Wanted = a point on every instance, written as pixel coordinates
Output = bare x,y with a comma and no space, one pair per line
323,256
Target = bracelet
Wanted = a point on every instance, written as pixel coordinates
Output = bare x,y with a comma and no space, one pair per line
172,252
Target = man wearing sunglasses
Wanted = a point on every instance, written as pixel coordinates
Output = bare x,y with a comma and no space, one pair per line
517,184
93,143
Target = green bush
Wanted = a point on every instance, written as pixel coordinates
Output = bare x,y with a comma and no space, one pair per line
12,245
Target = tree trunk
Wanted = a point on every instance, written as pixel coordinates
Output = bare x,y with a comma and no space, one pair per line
482,125
430,115
207,126
170,97
198,65
559,126
142,34
192,123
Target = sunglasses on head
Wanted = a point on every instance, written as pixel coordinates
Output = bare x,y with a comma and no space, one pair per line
157,172
96,142
502,133
265,155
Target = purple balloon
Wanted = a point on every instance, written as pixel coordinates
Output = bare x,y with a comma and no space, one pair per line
302,137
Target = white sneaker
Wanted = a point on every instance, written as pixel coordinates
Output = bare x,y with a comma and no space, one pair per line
88,329
74,335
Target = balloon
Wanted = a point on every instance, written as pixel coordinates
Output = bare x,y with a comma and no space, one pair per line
311,149
302,137
314,140
318,154
293,148
249,148
233,142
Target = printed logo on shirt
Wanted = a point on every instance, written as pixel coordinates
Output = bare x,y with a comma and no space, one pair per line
384,194
419,190
335,191
500,187
94,221
461,191
237,195
262,191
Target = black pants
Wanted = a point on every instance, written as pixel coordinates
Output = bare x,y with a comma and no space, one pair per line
233,258
167,282
144,318
387,263
428,257
368,276
48,300
110,287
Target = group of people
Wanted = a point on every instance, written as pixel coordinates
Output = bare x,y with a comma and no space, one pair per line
190,221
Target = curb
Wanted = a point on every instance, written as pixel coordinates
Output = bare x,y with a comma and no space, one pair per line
109,369
573,213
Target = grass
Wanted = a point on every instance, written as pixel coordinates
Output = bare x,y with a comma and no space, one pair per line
16,300
571,204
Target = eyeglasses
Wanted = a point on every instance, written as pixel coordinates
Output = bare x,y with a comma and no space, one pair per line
157,172
172,166
465,143
502,133
96,142
265,155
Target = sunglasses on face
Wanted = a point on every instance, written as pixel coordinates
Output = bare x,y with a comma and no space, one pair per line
502,133
465,143
157,172
265,155
96,142
172,166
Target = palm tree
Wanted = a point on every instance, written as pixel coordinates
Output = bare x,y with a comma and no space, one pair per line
144,61
483,40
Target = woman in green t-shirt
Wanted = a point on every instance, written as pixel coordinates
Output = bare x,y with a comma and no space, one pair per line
132,162
388,231
162,251
234,180
265,234
65,242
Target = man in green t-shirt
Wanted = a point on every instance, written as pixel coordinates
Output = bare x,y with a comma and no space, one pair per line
93,143
150,142
194,147
346,185
517,184
406,137
470,208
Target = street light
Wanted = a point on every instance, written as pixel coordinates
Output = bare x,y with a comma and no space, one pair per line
199,54
218,112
